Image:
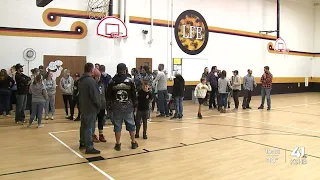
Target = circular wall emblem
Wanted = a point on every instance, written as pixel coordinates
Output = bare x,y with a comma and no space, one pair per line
191,32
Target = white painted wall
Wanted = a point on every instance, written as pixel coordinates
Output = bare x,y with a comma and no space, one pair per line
226,51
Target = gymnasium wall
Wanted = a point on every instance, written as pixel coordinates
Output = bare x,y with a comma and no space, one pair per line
234,42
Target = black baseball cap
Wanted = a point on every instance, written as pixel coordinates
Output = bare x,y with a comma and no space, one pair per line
121,67
17,66
235,71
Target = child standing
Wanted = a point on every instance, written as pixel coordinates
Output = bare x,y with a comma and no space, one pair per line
224,88
200,92
39,97
50,86
144,99
101,114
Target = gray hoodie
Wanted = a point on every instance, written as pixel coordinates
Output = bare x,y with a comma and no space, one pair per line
89,96
50,86
66,84
39,92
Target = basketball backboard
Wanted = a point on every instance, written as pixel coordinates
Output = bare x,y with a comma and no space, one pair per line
280,45
112,27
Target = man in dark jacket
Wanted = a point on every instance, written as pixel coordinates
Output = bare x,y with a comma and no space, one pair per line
75,98
89,103
212,78
121,101
23,83
178,94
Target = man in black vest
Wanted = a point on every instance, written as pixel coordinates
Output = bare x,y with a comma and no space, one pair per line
121,101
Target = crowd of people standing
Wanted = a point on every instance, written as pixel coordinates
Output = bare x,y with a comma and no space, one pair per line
124,97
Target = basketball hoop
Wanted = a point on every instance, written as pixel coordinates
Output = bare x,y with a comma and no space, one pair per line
98,9
281,47
115,35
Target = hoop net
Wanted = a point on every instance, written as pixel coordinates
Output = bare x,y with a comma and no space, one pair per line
285,52
115,35
98,9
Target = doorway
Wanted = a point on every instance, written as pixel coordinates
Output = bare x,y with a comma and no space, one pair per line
140,62
73,63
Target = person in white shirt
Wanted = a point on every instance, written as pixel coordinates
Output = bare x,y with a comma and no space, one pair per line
236,86
200,93
224,87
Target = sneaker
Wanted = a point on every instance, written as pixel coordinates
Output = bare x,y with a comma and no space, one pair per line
67,116
77,119
269,109
95,138
260,107
248,107
81,146
70,118
40,126
244,108
52,118
145,136
161,115
101,138
137,135
46,118
92,151
174,117
134,145
199,116
117,147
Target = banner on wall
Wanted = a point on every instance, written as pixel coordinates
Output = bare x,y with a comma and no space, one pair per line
177,66
191,32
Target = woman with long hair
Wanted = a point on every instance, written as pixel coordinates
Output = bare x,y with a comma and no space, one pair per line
50,86
6,83
39,97
66,86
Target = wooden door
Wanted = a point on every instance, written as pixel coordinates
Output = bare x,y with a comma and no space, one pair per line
73,63
140,62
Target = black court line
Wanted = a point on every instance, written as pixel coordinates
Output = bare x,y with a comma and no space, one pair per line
298,112
246,127
162,149
308,155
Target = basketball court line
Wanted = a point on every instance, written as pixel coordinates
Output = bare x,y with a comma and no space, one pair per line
179,128
74,152
174,147
262,122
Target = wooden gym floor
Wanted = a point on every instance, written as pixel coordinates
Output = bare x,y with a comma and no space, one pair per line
220,146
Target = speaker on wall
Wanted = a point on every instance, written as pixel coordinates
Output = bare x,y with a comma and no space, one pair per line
43,3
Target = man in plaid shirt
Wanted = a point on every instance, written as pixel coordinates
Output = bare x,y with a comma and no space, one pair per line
266,87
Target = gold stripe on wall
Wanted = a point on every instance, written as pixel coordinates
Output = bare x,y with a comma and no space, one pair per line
270,48
73,34
276,80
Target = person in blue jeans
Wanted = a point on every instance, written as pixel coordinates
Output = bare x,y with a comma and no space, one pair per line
89,104
122,102
23,83
161,79
6,83
39,98
224,87
178,93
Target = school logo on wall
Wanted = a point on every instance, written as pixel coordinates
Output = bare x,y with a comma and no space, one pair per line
191,32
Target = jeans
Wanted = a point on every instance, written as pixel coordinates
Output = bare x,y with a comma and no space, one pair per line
265,92
75,102
67,98
179,107
118,117
236,98
212,98
37,110
50,104
142,115
5,96
246,98
21,107
162,102
223,99
101,119
88,123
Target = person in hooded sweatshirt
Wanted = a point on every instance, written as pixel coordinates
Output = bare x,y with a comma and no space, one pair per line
121,101
66,86
89,104
105,79
50,86
39,97
178,93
